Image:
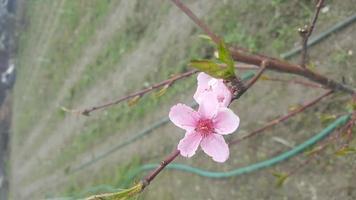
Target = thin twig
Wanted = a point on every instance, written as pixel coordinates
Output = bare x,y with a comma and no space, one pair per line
307,31
147,180
243,66
139,93
257,76
142,92
239,88
295,81
197,21
282,118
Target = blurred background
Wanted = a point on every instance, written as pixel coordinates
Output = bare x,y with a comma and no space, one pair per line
73,54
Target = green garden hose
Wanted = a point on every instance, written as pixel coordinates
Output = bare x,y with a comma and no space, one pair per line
251,168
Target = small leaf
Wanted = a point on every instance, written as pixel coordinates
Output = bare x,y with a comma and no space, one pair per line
122,195
311,151
264,77
311,67
134,100
326,118
281,178
294,107
162,91
351,106
345,151
213,69
67,110
205,37
224,56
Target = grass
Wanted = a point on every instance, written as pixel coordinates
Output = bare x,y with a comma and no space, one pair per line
65,47
106,62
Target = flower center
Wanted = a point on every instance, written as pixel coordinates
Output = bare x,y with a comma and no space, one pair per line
205,127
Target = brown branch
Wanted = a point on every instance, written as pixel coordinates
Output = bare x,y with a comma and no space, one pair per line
139,93
147,180
295,81
197,21
244,56
307,31
243,66
257,76
239,88
285,67
282,118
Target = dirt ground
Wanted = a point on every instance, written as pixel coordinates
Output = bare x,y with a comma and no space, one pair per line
326,178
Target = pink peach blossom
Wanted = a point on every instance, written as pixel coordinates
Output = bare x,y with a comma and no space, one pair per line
208,84
205,127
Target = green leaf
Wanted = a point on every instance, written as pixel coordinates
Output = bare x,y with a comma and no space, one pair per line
133,101
225,56
224,70
162,91
205,37
345,151
213,69
122,195
351,106
293,107
311,151
311,67
326,118
264,77
281,178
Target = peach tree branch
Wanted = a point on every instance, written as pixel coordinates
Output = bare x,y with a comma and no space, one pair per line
282,118
307,31
241,55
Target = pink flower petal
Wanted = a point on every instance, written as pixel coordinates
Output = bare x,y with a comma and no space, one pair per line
198,93
184,117
203,79
223,93
203,86
215,146
209,106
226,121
189,144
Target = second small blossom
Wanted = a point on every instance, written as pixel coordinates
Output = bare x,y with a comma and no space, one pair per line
208,84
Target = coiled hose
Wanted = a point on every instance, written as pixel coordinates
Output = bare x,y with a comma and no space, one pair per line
250,168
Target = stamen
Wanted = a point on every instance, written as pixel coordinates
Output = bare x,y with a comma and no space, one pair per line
205,127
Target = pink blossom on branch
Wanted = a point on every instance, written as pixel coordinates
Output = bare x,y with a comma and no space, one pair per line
208,84
205,127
